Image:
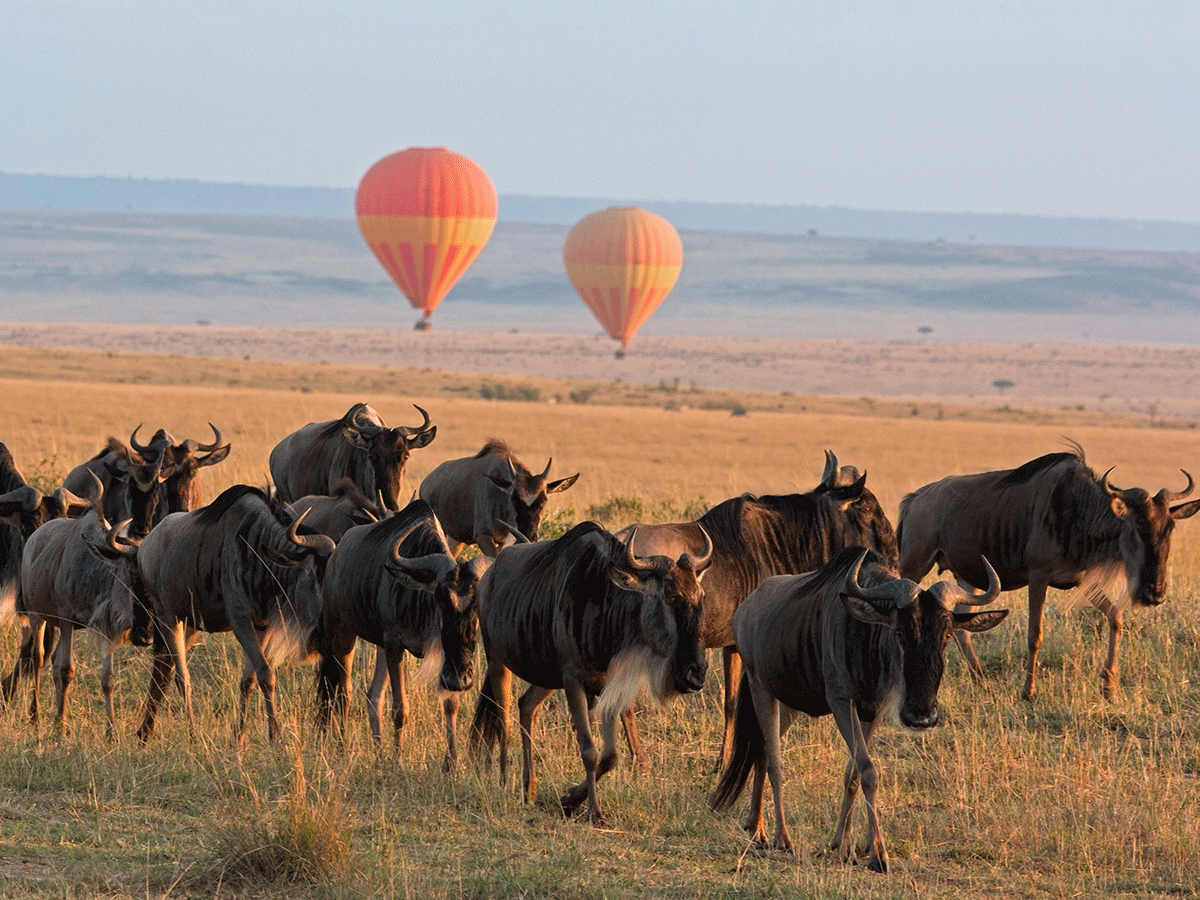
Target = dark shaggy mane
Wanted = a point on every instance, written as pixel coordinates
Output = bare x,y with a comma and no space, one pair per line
113,445
875,570
347,489
218,508
496,446
1034,467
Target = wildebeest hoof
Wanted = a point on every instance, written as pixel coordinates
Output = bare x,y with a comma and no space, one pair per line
880,866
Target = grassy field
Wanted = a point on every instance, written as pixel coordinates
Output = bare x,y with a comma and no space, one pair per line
1067,796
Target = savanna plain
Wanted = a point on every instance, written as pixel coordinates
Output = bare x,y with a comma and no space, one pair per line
1069,795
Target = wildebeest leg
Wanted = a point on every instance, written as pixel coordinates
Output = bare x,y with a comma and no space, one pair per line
23,667
586,790
40,638
963,638
527,706
1037,603
490,723
766,707
106,687
733,675
633,740
333,680
160,674
1110,682
379,681
450,711
392,659
251,640
860,771
578,793
64,672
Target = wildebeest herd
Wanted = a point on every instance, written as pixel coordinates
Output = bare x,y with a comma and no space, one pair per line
813,598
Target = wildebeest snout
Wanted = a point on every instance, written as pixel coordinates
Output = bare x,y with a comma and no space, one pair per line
919,720
691,679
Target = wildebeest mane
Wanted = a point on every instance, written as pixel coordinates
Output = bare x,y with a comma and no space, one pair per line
831,575
213,513
112,445
495,446
1034,467
10,475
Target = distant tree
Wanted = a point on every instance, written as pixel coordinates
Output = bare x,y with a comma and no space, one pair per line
1002,384
925,329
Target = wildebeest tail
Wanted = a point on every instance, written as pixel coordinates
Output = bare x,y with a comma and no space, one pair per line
749,746
488,723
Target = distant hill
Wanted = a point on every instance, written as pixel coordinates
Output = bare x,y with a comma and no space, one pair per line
100,194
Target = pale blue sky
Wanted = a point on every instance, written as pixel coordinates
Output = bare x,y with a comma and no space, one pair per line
1051,108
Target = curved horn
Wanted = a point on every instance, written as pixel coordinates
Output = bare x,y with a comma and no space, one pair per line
888,592
99,495
979,598
133,442
1171,496
1114,492
700,563
194,446
112,539
546,471
421,429
829,476
319,543
394,550
634,563
27,496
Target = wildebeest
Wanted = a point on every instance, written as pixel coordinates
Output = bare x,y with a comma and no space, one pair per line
850,639
584,614
359,446
756,537
146,482
333,514
76,573
474,497
237,564
1048,523
23,509
395,584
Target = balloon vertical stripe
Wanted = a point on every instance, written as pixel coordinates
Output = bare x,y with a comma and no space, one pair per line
426,213
623,262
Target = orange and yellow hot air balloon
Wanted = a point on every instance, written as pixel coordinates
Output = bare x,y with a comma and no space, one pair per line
425,212
623,261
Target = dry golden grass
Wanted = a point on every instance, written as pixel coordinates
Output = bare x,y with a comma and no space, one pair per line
1067,796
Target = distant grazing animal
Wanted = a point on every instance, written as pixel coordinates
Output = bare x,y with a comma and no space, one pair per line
396,585
474,497
23,509
850,639
238,564
756,537
358,446
584,614
77,573
1048,523
333,514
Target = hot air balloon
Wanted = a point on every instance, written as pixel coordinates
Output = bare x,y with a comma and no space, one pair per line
425,212
622,261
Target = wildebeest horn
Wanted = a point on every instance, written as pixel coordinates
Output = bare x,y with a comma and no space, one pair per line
99,495
829,476
27,497
518,537
133,442
1114,492
195,446
113,542
546,471
980,598
699,563
321,544
634,563
895,591
408,431
1171,496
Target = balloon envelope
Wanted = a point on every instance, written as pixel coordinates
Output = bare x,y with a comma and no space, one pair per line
425,212
623,261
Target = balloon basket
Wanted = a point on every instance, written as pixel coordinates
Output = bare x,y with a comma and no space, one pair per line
422,325
620,354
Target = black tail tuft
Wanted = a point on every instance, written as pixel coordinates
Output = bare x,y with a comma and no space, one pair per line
749,746
488,722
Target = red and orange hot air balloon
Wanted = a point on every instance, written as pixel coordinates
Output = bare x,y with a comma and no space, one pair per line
425,212
623,261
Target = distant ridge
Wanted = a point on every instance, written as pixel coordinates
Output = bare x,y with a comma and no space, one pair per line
103,194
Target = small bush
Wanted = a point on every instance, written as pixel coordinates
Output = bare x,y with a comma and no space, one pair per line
581,396
498,391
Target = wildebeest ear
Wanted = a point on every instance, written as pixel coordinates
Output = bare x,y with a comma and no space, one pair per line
562,484
352,434
421,438
215,457
849,493
631,581
1185,510
866,611
979,621
422,578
